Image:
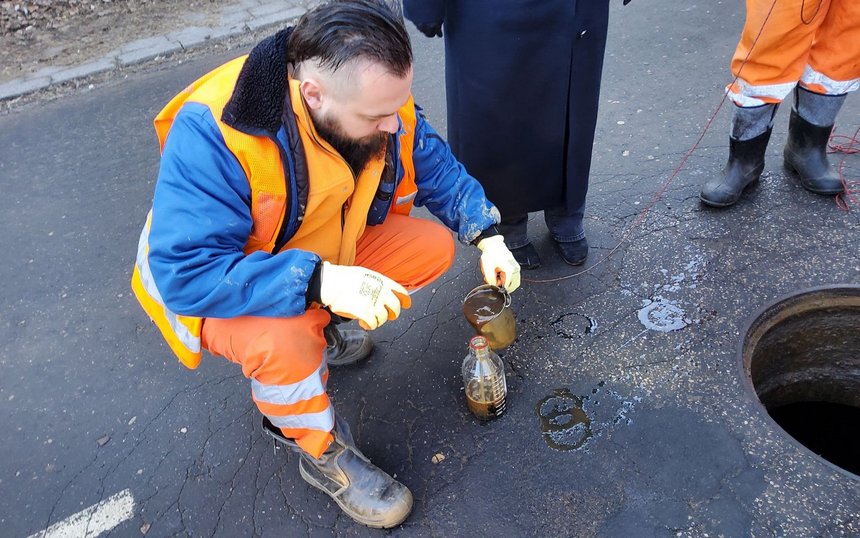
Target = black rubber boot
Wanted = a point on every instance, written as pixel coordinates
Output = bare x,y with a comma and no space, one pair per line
363,491
346,346
746,163
806,155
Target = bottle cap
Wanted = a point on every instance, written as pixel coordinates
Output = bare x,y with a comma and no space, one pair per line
478,342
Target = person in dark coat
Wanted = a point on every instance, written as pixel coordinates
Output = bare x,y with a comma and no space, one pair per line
523,83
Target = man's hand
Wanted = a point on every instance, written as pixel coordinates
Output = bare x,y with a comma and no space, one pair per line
498,264
435,29
356,292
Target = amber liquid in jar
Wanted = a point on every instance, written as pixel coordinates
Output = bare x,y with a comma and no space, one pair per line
487,310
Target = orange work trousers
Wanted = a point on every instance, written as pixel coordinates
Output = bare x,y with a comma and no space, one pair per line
284,357
785,42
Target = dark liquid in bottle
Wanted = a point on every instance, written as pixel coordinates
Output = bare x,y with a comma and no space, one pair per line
486,410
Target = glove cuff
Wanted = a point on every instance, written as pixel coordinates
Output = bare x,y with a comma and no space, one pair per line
314,291
494,241
492,231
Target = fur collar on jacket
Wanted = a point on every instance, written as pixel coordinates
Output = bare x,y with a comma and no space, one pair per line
261,91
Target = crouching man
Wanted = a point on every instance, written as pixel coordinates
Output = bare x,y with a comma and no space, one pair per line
282,206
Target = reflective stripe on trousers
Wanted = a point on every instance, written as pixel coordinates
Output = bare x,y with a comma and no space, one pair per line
818,47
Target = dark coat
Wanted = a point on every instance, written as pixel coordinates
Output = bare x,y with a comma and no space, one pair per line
523,84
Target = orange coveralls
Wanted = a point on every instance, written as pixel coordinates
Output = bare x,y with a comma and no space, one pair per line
813,42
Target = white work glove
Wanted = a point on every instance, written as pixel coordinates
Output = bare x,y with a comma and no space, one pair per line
356,292
498,264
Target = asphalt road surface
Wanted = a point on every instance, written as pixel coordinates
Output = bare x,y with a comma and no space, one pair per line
105,433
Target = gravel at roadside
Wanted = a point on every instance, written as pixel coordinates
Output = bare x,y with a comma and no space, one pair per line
224,25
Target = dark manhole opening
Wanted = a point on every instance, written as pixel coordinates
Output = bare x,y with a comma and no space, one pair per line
801,356
828,429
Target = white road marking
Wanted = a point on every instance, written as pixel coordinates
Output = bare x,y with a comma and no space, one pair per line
93,521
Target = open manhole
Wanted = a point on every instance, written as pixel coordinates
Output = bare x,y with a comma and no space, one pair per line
801,356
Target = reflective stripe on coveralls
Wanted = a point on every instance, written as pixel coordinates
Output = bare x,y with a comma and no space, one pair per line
814,43
291,393
299,399
323,420
815,81
293,405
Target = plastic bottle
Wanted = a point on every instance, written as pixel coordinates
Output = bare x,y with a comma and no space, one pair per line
484,380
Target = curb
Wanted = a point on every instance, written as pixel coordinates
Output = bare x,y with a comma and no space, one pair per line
242,17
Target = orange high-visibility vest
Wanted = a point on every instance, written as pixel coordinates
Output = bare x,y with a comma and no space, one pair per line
333,230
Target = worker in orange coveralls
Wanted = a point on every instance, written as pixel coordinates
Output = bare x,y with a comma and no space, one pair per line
810,47
282,205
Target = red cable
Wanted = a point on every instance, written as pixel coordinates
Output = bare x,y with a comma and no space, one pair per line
850,188
659,194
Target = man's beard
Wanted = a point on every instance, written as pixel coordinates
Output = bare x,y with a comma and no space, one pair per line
357,152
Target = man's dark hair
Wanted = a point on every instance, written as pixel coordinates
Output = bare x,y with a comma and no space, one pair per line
341,31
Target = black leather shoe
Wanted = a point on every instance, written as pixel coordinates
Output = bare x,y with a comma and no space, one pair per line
573,252
346,346
746,163
526,256
806,155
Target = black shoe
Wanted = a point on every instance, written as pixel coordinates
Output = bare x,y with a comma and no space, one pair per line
573,252
746,163
346,346
526,256
806,155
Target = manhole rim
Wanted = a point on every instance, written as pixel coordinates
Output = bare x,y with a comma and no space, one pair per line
752,323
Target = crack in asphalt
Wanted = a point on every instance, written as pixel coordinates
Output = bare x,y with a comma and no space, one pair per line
243,461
